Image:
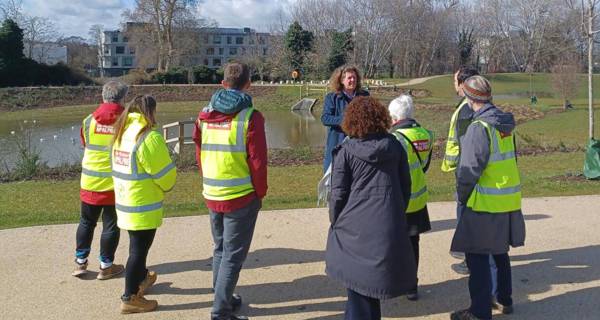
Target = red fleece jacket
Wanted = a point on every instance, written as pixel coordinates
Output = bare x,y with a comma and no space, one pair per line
106,114
256,148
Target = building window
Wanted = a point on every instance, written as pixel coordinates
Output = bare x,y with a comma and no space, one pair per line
261,40
264,51
120,50
228,40
131,50
239,40
233,51
107,51
217,39
125,39
206,39
220,51
217,62
115,38
210,51
115,62
206,62
243,51
127,61
251,40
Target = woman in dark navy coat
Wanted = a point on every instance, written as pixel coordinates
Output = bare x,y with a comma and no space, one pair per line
368,248
345,84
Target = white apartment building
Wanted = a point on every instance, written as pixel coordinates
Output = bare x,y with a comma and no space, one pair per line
217,46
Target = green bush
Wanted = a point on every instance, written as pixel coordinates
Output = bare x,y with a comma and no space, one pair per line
202,74
173,76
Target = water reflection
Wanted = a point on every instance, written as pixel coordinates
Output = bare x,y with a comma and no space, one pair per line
60,143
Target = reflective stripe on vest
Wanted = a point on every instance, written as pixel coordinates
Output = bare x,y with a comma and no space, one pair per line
499,187
139,199
225,143
419,194
452,151
95,165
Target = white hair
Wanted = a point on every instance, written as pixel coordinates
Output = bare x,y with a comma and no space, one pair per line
402,108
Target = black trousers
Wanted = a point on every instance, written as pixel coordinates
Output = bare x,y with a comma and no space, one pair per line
414,240
109,239
480,283
360,307
135,272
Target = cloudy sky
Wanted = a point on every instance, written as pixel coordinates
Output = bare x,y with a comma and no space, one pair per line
74,17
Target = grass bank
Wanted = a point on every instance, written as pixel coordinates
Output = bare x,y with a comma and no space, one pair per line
32,203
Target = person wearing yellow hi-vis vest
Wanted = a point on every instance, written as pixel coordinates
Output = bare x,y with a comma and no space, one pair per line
96,193
459,121
231,151
489,188
142,172
417,142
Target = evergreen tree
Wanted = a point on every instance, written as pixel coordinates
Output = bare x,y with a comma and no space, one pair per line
11,42
298,42
341,43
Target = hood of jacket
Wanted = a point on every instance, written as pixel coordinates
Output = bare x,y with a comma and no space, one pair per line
374,148
502,121
107,113
228,101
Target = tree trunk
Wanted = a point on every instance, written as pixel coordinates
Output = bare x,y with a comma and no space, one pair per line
591,70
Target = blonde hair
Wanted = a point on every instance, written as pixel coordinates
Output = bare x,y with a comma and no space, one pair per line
145,105
335,82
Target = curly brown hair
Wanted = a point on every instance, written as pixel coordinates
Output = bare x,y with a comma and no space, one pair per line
364,116
335,82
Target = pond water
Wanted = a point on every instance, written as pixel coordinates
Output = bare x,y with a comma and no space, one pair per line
60,143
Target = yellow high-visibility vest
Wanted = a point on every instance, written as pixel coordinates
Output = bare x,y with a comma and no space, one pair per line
452,152
142,172
419,194
95,166
225,171
499,187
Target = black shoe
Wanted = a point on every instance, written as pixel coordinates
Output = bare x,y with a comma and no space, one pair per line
502,308
236,302
412,295
460,268
463,315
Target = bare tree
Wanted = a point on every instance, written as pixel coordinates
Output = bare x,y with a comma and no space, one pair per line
162,18
565,82
37,32
588,10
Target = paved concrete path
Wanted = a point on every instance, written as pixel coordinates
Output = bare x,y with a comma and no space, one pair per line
555,276
416,81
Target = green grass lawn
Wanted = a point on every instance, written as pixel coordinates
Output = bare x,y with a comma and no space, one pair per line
53,202
512,88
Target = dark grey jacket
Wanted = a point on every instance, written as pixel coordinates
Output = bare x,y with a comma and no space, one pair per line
479,232
368,248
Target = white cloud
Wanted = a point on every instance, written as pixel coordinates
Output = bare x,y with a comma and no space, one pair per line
258,14
74,17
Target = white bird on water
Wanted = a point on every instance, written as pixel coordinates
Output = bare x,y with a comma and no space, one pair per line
41,139
55,137
72,128
12,132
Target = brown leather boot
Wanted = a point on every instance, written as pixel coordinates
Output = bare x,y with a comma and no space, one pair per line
110,272
150,279
137,304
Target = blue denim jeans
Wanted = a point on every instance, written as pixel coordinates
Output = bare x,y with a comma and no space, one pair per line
493,270
232,233
480,283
